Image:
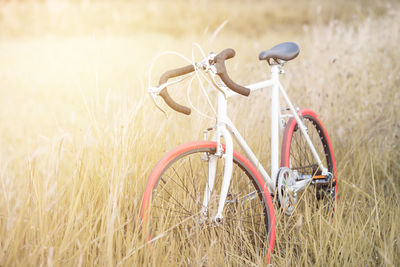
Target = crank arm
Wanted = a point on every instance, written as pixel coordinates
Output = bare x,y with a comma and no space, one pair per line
300,185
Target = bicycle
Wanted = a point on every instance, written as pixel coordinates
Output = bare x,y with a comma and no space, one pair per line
180,197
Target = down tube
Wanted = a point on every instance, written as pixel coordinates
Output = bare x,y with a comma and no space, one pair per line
249,153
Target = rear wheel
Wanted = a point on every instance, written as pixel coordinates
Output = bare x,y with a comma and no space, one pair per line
173,199
297,156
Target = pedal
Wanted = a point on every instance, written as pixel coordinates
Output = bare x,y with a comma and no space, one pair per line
321,179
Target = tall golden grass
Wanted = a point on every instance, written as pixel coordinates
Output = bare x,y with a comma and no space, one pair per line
79,136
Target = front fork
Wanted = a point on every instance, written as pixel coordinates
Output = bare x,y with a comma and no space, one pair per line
227,155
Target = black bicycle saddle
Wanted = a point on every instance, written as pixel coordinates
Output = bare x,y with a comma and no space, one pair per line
284,51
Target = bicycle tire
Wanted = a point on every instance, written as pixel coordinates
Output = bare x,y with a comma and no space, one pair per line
243,216
296,154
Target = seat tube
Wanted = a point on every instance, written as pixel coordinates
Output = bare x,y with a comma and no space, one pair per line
275,69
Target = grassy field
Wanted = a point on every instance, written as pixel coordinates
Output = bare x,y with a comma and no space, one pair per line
79,135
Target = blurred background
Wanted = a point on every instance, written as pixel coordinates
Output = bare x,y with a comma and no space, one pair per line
78,133
58,56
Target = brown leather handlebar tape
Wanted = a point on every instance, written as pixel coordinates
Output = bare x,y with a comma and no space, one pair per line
164,92
222,73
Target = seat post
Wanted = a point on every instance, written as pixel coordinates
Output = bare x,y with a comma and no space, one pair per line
275,70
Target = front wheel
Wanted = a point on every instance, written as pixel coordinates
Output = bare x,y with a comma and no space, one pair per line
297,155
173,200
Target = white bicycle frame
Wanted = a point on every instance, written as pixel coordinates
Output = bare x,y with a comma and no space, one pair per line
226,129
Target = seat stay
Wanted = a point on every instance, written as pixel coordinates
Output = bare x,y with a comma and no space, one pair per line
303,129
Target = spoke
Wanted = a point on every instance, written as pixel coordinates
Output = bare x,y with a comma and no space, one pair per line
165,190
182,185
172,210
187,190
192,176
304,167
172,203
295,153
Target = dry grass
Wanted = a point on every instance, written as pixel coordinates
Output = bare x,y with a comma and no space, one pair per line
78,135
